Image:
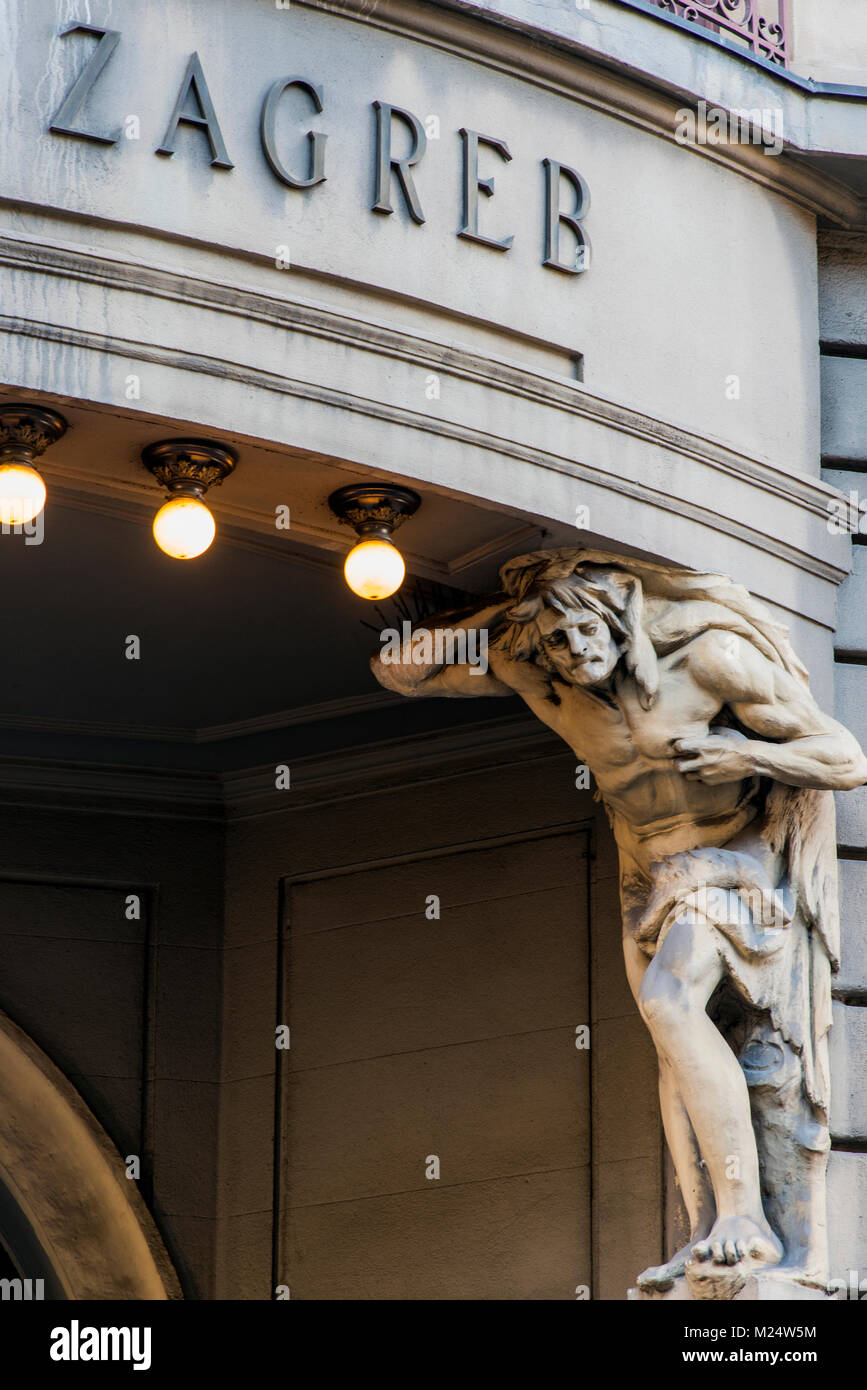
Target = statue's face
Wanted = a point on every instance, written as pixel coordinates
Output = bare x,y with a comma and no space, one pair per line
579,645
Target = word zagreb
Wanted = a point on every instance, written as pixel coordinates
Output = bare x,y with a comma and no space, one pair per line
392,175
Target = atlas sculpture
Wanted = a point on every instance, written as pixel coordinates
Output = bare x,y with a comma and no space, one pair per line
716,768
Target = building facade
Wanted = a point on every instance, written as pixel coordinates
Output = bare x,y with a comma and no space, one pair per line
578,274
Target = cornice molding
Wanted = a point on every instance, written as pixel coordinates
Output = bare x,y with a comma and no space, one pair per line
344,774
210,733
55,784
493,372
383,766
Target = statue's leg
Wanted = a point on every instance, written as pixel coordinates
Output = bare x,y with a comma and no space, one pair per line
673,1000
692,1174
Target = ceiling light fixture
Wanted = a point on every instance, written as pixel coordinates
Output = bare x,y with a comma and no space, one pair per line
26,431
186,468
374,568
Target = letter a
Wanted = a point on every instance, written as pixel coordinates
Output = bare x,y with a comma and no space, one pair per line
59,1350
194,84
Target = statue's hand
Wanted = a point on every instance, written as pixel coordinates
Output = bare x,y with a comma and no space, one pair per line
722,756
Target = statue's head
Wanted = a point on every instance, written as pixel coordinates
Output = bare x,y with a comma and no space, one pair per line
574,641
578,625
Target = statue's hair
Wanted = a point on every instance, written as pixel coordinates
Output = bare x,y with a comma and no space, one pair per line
613,595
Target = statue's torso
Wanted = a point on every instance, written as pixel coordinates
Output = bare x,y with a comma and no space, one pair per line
631,753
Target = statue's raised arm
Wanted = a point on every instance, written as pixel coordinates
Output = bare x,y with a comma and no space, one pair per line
447,654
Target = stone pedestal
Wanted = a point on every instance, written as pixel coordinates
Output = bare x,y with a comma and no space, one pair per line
762,1287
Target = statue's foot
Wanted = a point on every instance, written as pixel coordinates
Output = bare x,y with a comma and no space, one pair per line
737,1246
658,1278
738,1240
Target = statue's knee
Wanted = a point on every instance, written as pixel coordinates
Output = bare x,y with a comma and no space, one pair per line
663,1001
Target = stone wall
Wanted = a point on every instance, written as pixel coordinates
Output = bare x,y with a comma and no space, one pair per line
843,327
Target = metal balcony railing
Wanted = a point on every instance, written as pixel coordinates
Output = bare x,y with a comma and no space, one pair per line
757,25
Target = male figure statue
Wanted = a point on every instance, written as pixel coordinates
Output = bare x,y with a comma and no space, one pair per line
715,766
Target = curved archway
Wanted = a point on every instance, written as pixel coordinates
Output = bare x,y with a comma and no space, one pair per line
68,1213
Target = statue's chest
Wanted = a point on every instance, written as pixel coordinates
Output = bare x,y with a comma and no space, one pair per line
681,710
651,732
614,733
597,729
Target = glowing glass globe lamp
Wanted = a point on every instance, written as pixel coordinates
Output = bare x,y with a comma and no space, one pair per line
26,431
374,568
184,527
